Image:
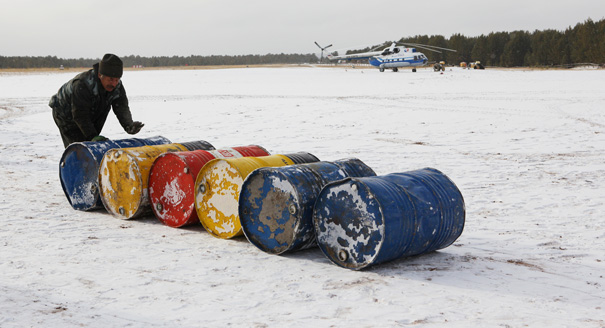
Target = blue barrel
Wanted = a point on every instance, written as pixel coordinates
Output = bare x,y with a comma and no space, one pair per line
276,203
364,221
79,168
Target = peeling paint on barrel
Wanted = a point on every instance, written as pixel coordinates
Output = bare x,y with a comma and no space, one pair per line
172,181
268,207
219,190
169,178
276,203
359,234
218,187
365,221
124,178
79,168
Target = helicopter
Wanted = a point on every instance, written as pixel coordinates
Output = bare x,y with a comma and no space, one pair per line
394,56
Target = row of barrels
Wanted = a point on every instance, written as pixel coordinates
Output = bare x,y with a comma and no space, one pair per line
280,203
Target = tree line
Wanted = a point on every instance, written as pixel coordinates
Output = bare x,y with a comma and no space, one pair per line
583,43
161,61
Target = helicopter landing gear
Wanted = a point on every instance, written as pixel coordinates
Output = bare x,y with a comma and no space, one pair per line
381,69
414,70
395,69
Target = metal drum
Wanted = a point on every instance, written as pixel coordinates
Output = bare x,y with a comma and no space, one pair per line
365,221
218,185
79,168
124,177
276,203
172,181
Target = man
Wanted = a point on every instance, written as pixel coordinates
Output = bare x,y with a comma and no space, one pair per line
81,105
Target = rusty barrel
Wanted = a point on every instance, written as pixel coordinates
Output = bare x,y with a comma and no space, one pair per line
172,181
124,176
365,221
79,168
218,186
276,203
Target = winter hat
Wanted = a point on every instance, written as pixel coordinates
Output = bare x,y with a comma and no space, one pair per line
111,66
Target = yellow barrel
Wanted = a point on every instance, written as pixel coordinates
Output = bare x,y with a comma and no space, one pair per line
217,189
124,177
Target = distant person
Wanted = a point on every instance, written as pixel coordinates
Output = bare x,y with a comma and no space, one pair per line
81,105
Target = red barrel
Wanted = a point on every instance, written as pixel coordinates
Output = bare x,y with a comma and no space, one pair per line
172,181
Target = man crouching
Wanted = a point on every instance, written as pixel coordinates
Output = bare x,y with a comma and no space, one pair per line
81,106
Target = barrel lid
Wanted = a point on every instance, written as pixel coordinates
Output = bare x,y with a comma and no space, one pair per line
216,198
78,172
349,223
269,210
171,185
121,183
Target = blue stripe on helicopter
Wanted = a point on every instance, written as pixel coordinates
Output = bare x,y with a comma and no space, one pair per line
410,62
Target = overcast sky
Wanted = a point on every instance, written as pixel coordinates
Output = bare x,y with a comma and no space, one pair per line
90,28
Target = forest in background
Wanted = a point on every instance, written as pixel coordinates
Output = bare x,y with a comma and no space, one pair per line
161,61
583,43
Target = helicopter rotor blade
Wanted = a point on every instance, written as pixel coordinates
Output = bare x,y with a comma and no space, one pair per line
429,47
378,46
425,48
322,48
317,44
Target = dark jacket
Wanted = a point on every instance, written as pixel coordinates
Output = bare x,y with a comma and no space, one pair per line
83,104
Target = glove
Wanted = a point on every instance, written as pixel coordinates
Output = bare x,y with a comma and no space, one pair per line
99,138
134,128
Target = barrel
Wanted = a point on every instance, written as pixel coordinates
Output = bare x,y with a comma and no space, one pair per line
172,181
365,221
124,176
218,185
276,203
79,168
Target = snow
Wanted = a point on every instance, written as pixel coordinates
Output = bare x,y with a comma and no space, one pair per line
525,147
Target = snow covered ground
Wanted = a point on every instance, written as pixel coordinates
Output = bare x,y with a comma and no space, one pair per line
526,148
